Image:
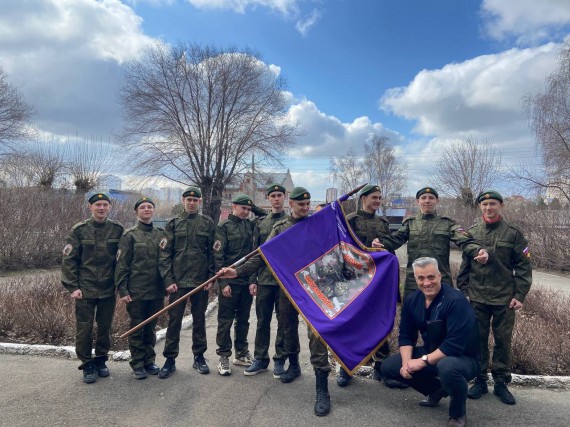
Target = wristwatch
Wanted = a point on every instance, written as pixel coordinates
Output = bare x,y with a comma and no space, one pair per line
425,359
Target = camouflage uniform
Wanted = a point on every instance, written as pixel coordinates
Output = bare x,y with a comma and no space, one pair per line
88,264
137,276
235,238
428,235
490,288
186,259
267,300
289,315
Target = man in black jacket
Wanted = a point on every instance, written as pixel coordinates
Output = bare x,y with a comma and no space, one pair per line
450,354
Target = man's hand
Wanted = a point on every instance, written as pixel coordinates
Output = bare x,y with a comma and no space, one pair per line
77,294
126,299
227,273
227,291
376,244
172,289
482,256
515,304
404,373
208,286
253,289
414,365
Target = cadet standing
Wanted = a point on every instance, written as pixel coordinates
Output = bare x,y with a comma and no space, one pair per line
236,237
87,272
496,290
140,285
370,227
186,261
300,203
267,296
429,235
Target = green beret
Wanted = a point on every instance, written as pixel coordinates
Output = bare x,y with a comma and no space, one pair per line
369,188
242,199
427,190
275,187
143,200
193,192
299,193
491,194
99,196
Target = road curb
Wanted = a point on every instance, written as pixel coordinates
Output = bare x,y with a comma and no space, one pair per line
69,351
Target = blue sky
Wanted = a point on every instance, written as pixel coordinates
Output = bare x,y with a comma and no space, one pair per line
422,72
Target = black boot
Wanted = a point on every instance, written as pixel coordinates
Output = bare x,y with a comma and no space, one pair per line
168,368
478,389
293,371
323,400
503,393
343,378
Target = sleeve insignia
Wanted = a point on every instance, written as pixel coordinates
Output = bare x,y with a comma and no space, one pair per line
217,245
67,249
163,243
526,252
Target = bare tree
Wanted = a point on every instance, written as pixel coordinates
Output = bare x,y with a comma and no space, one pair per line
383,167
14,113
89,161
194,115
466,168
548,114
347,171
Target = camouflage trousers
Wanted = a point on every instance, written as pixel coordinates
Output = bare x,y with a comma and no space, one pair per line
142,341
267,301
89,311
236,307
198,305
501,319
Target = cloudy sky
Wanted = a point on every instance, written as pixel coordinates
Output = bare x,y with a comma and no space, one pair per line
423,73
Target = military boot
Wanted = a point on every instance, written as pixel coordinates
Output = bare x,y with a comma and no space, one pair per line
478,389
323,399
101,367
168,368
293,371
503,393
343,378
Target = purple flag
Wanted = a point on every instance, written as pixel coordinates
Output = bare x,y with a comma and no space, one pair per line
346,292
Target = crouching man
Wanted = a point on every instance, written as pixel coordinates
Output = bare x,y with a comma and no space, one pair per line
449,357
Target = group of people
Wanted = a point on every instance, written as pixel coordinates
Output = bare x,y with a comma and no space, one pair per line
144,262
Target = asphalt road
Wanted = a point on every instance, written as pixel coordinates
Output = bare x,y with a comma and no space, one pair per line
43,391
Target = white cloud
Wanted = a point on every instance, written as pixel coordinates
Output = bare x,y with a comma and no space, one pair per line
481,96
305,24
65,57
286,7
529,20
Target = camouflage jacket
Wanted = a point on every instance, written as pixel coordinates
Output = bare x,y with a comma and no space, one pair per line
264,276
429,235
508,272
137,272
89,258
368,226
186,250
235,238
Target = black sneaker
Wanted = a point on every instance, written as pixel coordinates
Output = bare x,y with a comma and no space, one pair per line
256,367
278,368
151,369
478,389
200,364
102,369
168,368
139,373
503,393
89,373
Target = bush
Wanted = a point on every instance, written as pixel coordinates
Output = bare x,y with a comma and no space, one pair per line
36,222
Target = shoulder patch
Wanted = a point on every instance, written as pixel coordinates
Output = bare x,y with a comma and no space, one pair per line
217,246
67,249
163,243
526,252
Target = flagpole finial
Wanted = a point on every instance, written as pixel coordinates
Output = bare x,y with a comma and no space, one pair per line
357,189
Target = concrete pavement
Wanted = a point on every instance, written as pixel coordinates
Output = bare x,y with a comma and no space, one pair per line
44,391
